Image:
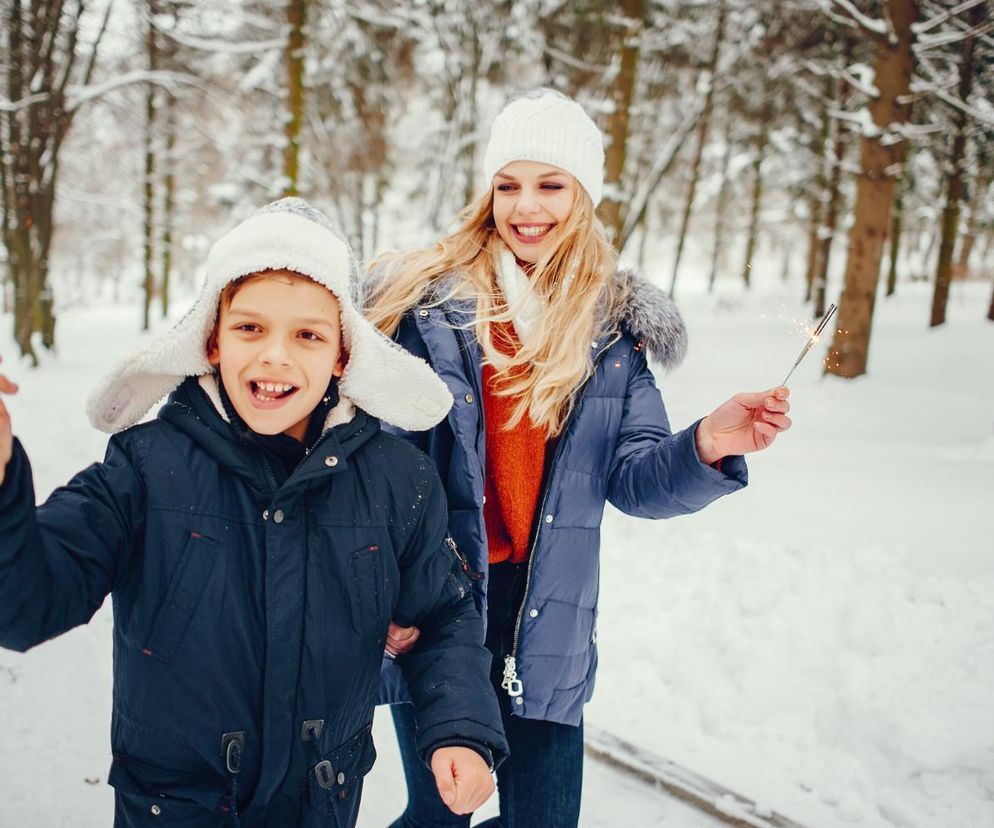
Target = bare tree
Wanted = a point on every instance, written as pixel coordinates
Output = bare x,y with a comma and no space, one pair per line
43,59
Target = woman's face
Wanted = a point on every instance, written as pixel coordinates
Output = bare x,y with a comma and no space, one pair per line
531,200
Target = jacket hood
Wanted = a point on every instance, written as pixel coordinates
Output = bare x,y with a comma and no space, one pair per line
289,234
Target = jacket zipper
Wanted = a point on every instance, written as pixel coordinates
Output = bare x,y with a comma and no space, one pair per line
511,683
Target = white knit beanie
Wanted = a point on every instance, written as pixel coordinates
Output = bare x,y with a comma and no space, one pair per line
545,126
380,377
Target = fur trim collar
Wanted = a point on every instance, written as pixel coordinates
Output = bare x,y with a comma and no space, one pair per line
651,316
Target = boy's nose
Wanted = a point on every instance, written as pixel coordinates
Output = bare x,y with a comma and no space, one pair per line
275,353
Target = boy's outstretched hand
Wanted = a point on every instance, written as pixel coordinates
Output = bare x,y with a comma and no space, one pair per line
464,781
745,423
6,432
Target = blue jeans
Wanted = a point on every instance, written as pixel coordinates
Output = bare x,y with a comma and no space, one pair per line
538,786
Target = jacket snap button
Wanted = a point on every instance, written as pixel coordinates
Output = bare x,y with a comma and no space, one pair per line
278,516
340,778
422,313
331,461
533,613
469,398
156,810
593,344
265,514
548,518
519,700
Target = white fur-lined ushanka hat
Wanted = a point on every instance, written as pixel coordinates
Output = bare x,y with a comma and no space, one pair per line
381,377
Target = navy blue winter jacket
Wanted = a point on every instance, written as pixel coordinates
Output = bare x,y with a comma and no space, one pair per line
249,618
617,447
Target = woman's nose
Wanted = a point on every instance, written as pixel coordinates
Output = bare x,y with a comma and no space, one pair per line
527,203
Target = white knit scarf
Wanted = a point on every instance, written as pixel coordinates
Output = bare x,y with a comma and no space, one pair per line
526,305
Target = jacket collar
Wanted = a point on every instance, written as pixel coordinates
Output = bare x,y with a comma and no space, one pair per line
648,315
192,411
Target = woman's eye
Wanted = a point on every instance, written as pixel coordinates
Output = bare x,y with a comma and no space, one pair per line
505,188
552,185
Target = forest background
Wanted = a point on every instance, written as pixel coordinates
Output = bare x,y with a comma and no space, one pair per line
822,640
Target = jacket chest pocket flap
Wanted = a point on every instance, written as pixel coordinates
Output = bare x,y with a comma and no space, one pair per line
182,597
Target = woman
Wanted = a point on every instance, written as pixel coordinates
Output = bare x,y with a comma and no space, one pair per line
543,342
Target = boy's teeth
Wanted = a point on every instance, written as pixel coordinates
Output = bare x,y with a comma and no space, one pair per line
533,231
274,387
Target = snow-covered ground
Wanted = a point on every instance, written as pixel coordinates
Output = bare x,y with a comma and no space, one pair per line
822,641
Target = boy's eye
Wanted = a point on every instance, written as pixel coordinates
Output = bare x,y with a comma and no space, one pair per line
248,327
310,336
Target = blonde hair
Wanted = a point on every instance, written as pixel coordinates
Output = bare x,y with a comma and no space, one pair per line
573,283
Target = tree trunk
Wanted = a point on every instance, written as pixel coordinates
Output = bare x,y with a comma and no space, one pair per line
168,207
148,228
896,228
874,194
954,190
294,61
818,196
719,217
969,238
757,195
827,233
990,310
622,91
702,136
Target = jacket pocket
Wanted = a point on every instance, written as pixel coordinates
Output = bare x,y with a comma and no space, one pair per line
148,795
334,784
369,604
186,586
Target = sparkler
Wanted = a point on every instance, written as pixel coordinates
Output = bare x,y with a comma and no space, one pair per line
812,339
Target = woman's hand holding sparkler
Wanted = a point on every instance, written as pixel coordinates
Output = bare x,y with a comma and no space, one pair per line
743,424
6,432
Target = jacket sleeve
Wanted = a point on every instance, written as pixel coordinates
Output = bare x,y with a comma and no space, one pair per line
658,474
59,561
448,671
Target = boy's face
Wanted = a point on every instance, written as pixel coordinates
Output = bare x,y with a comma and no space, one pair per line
279,343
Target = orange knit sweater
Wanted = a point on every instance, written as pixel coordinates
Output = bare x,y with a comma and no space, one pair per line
515,462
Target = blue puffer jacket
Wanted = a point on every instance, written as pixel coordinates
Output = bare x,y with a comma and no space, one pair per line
617,447
249,613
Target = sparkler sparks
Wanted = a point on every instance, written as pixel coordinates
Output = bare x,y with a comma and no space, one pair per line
812,339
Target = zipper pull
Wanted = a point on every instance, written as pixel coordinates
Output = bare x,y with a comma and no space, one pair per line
470,573
511,682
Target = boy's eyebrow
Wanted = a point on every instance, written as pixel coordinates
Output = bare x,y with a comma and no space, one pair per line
310,321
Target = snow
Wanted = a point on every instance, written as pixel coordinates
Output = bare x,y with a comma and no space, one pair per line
821,642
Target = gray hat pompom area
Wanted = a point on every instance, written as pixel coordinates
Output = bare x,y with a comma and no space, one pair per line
289,234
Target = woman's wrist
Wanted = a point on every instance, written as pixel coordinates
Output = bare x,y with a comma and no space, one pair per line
704,441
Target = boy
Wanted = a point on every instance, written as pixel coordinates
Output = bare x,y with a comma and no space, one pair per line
258,537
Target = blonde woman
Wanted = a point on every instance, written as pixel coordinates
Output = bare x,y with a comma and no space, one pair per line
544,343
